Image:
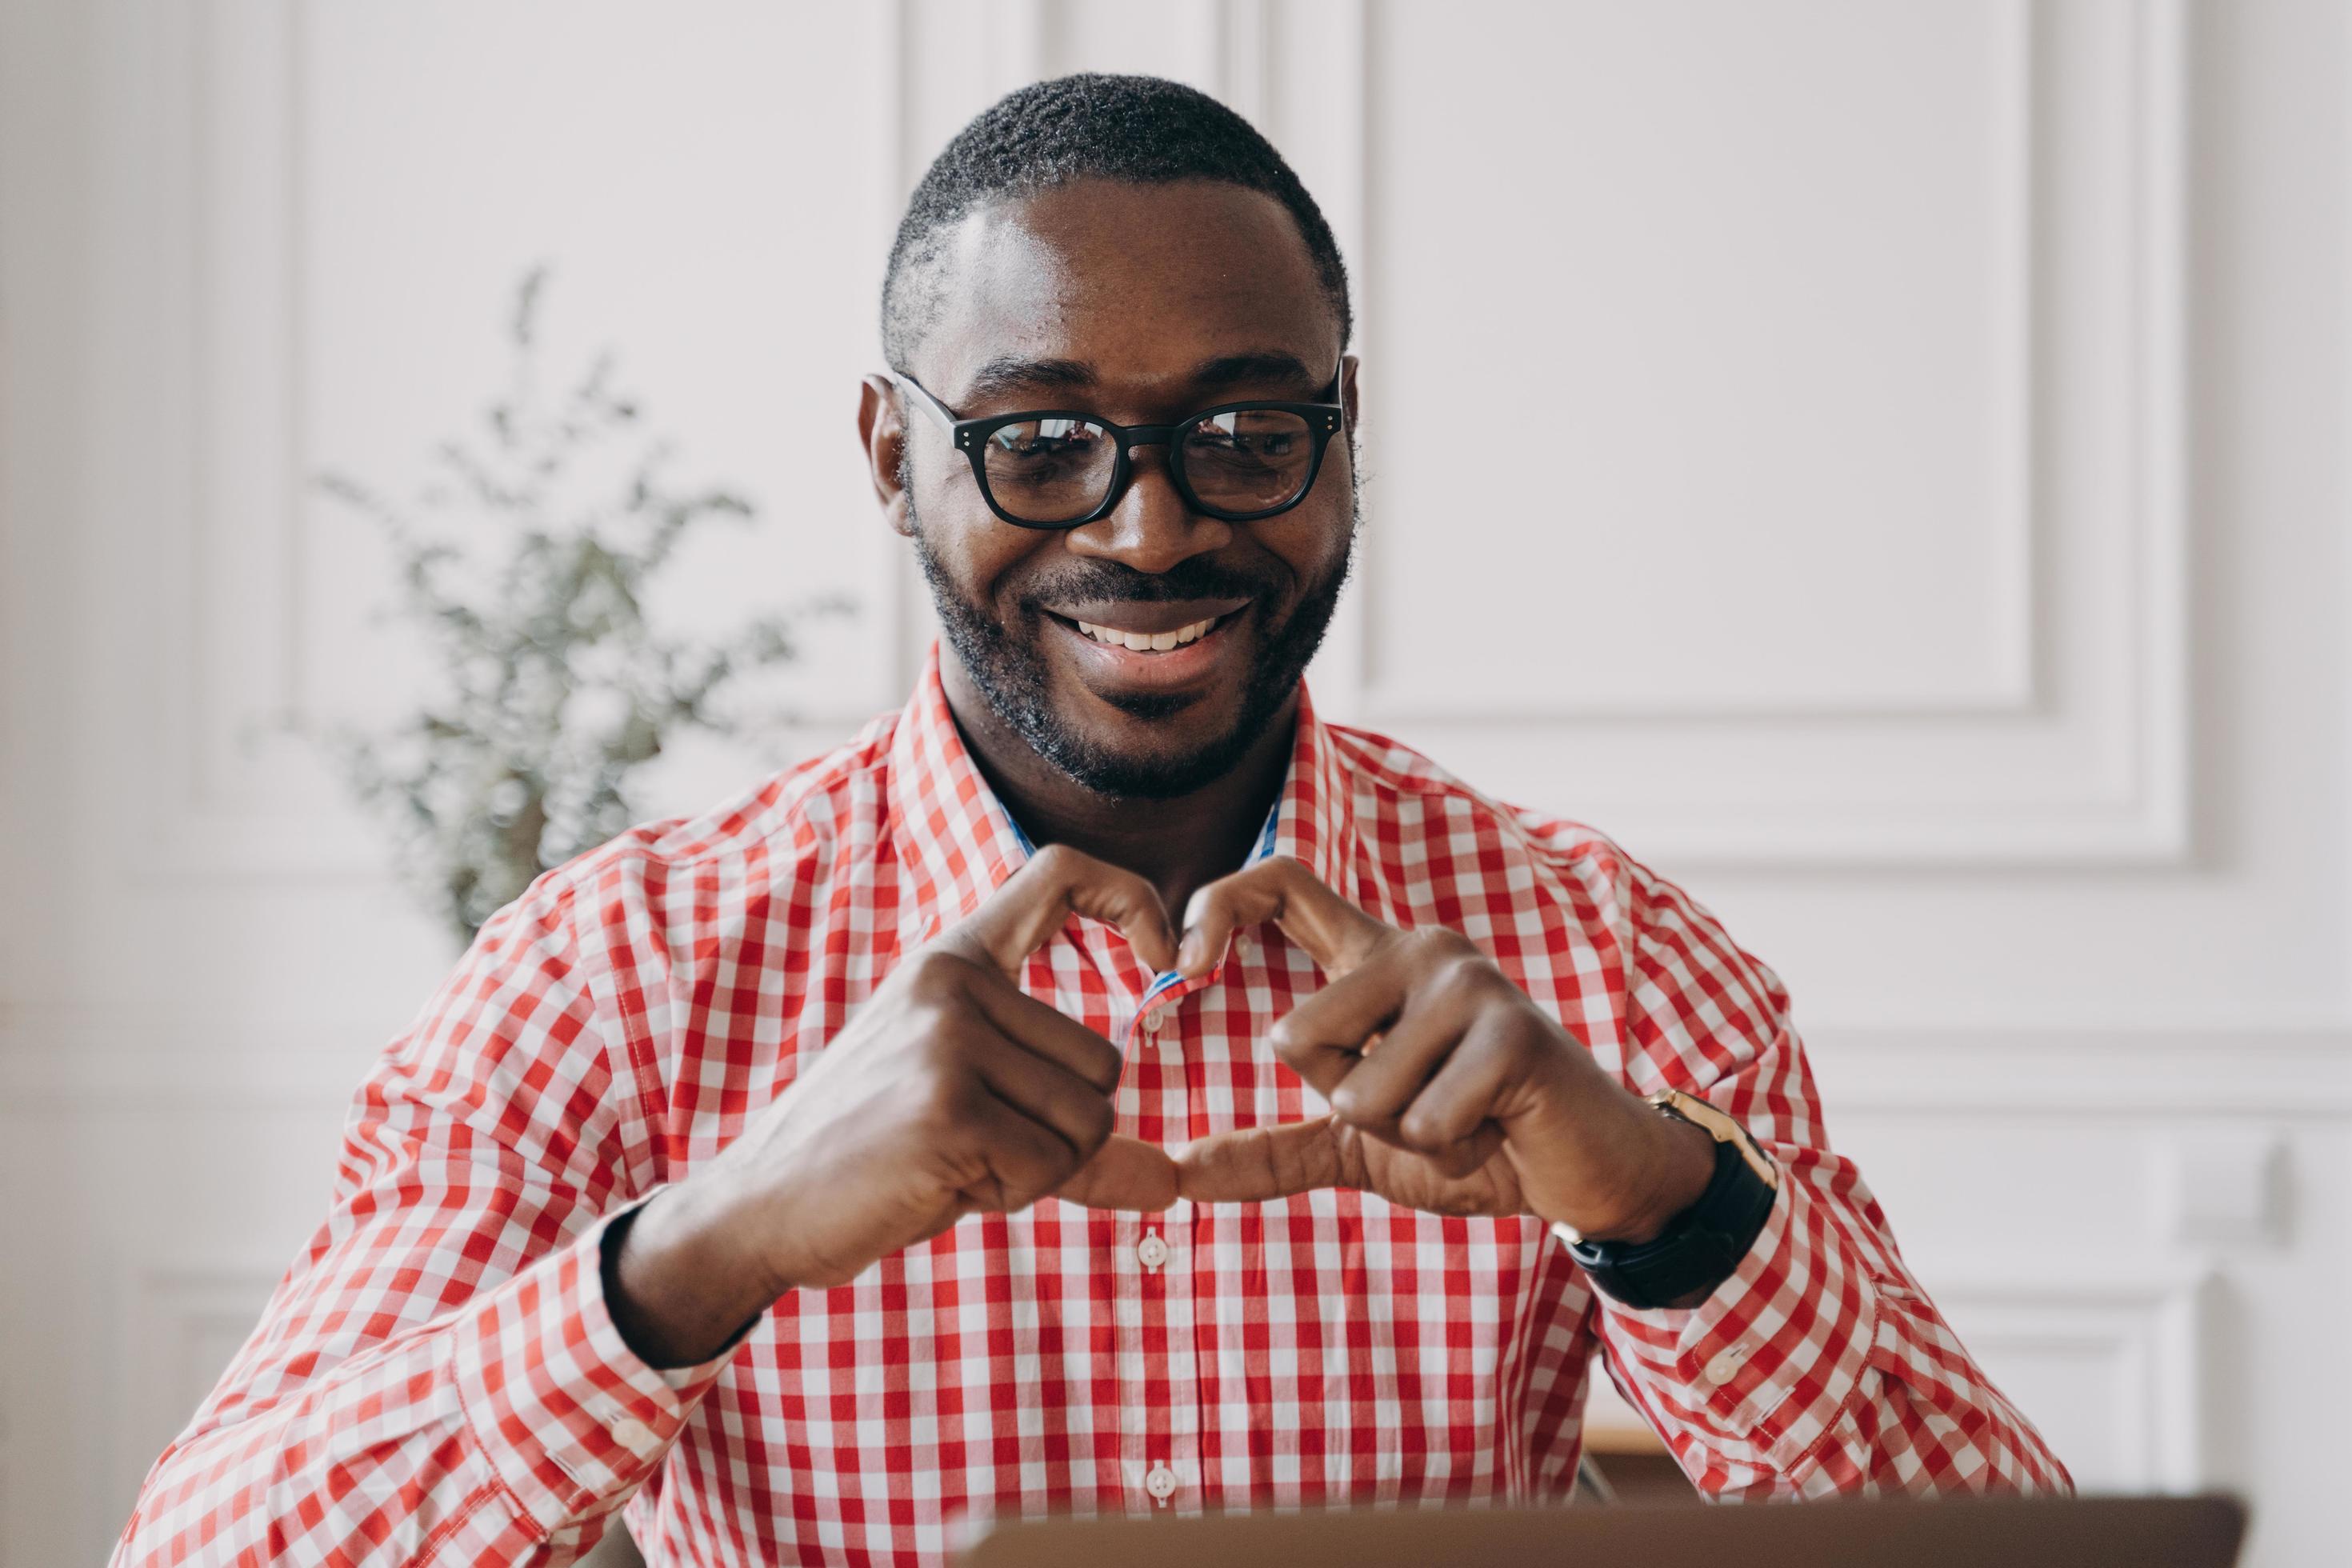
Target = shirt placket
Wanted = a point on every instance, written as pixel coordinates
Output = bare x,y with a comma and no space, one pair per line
1160,1381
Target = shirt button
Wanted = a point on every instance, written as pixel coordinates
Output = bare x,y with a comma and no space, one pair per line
1160,1483
633,1434
1726,1365
1151,1252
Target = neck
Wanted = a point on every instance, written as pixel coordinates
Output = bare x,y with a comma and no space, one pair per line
1178,845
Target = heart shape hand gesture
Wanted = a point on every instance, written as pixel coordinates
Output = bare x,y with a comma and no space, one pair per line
1450,1091
953,1091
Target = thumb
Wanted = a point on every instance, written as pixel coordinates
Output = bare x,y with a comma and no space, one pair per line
1257,1163
1126,1173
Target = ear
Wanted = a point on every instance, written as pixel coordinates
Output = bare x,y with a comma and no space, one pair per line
884,436
1348,394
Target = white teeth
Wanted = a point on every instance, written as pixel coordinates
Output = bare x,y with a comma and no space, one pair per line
1148,642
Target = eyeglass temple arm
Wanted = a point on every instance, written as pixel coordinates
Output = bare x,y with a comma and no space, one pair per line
939,411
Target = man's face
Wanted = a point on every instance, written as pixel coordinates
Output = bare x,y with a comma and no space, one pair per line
1142,305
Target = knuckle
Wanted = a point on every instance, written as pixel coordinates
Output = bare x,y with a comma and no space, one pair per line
1450,962
1420,1129
1463,977
943,1094
1455,1160
934,974
1443,944
1057,862
1287,1042
1465,1158
933,1021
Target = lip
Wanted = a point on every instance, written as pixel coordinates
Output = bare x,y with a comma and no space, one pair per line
1130,669
1147,616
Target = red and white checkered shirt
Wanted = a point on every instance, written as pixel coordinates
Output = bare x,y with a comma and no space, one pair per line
438,1380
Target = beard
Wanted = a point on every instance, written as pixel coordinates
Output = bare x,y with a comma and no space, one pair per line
1008,665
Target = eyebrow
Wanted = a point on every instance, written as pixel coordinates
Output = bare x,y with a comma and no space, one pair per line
1264,365
1009,373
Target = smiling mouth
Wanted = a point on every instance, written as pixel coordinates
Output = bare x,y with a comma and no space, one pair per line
1149,642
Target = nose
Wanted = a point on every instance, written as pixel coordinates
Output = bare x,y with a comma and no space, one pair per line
1150,529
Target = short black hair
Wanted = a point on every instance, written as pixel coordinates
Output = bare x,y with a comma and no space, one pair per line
1139,130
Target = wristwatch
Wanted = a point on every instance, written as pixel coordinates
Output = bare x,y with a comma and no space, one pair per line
1700,1246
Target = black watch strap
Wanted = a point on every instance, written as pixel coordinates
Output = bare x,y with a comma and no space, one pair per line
1697,1250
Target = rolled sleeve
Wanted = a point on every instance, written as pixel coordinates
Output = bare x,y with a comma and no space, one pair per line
1818,1366
1761,1371
569,1417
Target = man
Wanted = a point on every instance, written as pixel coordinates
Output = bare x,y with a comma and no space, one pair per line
820,1175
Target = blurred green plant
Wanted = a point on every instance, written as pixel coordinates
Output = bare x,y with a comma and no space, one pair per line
526,562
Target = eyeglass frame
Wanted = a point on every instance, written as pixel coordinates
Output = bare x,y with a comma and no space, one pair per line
1324,420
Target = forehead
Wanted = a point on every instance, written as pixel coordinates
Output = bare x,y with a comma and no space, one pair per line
1139,281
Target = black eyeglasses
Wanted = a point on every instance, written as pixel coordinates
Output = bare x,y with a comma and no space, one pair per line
1062,469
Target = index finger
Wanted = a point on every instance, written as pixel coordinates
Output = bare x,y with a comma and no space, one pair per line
1335,933
1022,915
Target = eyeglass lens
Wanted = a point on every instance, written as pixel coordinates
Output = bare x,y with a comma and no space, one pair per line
1059,469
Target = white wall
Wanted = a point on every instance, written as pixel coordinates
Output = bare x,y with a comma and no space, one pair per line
1928,542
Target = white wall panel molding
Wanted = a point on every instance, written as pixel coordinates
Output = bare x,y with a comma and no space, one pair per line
2222,1187
183,1323
2133,1335
2079,1073
2062,740
207,196
213,320
1388,692
104,1070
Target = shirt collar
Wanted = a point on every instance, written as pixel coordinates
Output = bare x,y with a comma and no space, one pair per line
958,843
955,842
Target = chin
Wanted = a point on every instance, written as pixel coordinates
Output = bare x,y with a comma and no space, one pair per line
1142,758
1155,712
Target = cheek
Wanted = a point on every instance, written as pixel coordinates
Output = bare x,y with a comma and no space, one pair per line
979,555
1314,543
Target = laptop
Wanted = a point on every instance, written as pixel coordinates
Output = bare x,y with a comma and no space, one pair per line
1959,1532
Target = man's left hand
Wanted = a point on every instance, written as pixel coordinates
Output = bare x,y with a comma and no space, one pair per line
1450,1091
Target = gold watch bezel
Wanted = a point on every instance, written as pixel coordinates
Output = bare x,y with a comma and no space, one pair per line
1721,1127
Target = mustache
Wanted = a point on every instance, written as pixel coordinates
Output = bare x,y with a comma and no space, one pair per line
1108,580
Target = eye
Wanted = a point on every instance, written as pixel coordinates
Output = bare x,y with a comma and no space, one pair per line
1045,439
1247,435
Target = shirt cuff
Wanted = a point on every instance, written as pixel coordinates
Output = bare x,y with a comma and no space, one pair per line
571,1420
1768,1361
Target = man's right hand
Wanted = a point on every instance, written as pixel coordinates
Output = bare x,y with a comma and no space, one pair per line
951,1091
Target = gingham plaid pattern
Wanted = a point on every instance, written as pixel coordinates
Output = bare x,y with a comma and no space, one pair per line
437,1379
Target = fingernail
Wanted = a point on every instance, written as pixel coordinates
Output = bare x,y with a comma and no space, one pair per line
1190,951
